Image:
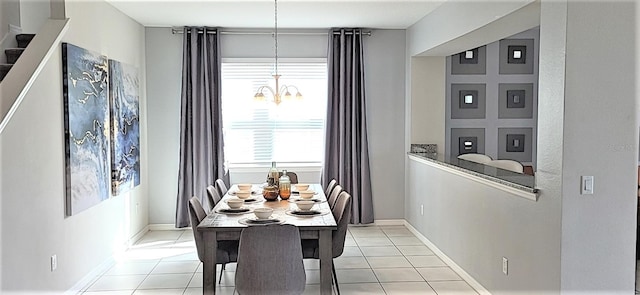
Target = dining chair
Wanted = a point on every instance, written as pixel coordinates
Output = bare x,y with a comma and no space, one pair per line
221,187
293,177
510,165
270,261
227,250
213,196
330,186
477,158
333,197
342,214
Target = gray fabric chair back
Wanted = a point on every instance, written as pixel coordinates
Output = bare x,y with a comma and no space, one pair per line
333,197
213,195
293,177
221,187
197,214
270,261
330,186
342,214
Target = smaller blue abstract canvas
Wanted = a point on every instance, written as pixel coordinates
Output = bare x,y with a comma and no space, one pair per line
125,128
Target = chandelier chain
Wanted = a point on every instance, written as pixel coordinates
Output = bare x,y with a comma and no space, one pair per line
276,33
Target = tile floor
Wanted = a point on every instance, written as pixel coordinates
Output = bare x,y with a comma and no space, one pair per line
376,260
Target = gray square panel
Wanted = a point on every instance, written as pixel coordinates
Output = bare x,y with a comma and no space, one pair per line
515,100
510,62
470,62
506,142
461,135
474,110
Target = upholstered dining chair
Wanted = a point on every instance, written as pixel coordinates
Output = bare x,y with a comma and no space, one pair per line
510,165
270,261
213,196
330,186
477,158
227,250
221,187
342,213
333,197
293,177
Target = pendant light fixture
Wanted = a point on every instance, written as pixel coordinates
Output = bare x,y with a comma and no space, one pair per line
279,92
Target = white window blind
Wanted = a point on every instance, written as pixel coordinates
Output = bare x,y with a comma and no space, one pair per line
257,133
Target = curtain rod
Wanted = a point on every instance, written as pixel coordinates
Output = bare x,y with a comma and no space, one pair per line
181,31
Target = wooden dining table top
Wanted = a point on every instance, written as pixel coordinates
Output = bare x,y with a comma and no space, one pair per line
221,221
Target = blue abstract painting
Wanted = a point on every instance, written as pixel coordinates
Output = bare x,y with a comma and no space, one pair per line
86,126
125,130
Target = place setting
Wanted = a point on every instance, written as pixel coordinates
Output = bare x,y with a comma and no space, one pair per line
305,195
305,209
236,207
246,193
263,216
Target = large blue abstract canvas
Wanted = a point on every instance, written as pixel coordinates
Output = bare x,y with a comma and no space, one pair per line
125,130
86,126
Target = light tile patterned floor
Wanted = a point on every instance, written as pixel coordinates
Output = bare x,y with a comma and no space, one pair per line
376,260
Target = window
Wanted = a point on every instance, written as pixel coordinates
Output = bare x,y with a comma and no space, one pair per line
257,133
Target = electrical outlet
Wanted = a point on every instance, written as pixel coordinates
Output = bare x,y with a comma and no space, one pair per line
137,208
422,210
54,262
505,265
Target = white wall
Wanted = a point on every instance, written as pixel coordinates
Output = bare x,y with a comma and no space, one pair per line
33,14
600,139
428,100
34,225
385,76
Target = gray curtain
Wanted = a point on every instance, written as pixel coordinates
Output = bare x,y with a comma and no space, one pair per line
201,142
346,147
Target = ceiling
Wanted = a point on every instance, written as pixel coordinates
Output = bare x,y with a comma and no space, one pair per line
380,14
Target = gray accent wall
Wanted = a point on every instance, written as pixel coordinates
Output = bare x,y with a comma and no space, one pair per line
34,226
493,111
385,80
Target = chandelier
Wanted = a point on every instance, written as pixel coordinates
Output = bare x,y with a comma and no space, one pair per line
279,92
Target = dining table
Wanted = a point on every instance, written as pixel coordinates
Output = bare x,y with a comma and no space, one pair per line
219,226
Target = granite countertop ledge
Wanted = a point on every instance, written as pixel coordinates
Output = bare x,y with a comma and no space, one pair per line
503,180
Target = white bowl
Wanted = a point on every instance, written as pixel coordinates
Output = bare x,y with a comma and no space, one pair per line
307,194
235,203
243,194
244,186
263,213
302,187
305,205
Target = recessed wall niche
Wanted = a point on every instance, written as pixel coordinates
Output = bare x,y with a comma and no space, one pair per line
516,56
515,144
470,62
515,100
468,101
467,140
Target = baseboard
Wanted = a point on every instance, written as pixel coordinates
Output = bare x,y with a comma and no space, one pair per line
389,222
454,266
137,236
89,278
164,226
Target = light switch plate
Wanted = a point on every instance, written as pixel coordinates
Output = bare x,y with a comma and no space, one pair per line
586,185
